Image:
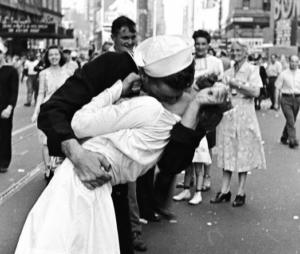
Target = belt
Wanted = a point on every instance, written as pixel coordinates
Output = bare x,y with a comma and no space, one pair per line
291,94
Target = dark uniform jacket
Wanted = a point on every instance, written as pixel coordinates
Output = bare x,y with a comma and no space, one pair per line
56,114
9,86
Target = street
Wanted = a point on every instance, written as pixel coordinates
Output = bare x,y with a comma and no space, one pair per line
268,223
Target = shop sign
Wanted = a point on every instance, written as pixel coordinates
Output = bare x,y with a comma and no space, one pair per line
285,13
13,28
242,19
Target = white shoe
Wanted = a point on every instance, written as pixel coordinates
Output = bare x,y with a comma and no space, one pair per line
184,195
197,199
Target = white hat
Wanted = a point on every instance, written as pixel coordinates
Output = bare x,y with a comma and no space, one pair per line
164,55
2,47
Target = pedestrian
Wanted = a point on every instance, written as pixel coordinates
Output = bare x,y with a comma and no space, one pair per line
70,65
9,85
239,142
51,78
288,85
201,157
205,65
106,46
274,68
31,81
124,37
264,78
70,218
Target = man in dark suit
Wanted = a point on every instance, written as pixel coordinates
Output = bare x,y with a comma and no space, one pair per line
9,85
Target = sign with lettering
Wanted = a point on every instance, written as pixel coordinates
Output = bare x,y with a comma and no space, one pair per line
285,16
18,28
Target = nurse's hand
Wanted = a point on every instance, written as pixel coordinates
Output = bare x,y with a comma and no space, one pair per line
91,168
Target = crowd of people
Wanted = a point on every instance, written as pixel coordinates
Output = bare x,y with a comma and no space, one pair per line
116,130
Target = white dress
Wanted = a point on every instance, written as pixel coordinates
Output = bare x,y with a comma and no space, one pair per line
50,80
70,219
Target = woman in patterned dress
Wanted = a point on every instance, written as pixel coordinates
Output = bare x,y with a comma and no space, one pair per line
239,142
50,79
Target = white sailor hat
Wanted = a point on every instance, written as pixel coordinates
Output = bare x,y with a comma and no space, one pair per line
3,49
164,55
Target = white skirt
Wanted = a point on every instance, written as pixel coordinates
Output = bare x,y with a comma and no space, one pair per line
202,154
70,219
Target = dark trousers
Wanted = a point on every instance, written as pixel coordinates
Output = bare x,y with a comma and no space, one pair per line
290,108
5,141
120,200
32,87
271,89
145,194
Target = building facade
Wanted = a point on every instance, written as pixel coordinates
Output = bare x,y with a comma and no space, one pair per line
249,20
31,24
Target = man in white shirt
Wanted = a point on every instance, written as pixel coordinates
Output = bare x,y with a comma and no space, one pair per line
31,82
70,66
288,85
274,68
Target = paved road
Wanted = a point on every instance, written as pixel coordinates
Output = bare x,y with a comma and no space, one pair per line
269,223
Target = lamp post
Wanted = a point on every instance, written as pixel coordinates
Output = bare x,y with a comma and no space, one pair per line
154,17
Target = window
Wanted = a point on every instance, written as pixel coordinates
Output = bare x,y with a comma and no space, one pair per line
246,4
266,5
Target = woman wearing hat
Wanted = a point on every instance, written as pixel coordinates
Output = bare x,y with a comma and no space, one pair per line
239,141
131,134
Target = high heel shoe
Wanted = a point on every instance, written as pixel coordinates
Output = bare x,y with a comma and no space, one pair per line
221,197
239,200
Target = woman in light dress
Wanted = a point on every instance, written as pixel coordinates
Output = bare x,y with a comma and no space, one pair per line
50,79
239,143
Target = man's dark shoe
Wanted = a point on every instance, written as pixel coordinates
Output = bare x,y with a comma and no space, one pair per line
138,242
27,104
153,217
284,141
293,144
3,170
165,213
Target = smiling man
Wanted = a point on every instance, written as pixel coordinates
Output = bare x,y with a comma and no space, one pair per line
123,34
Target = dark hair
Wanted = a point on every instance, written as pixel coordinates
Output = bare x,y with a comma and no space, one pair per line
210,49
67,51
180,80
203,34
250,58
121,21
62,60
223,53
